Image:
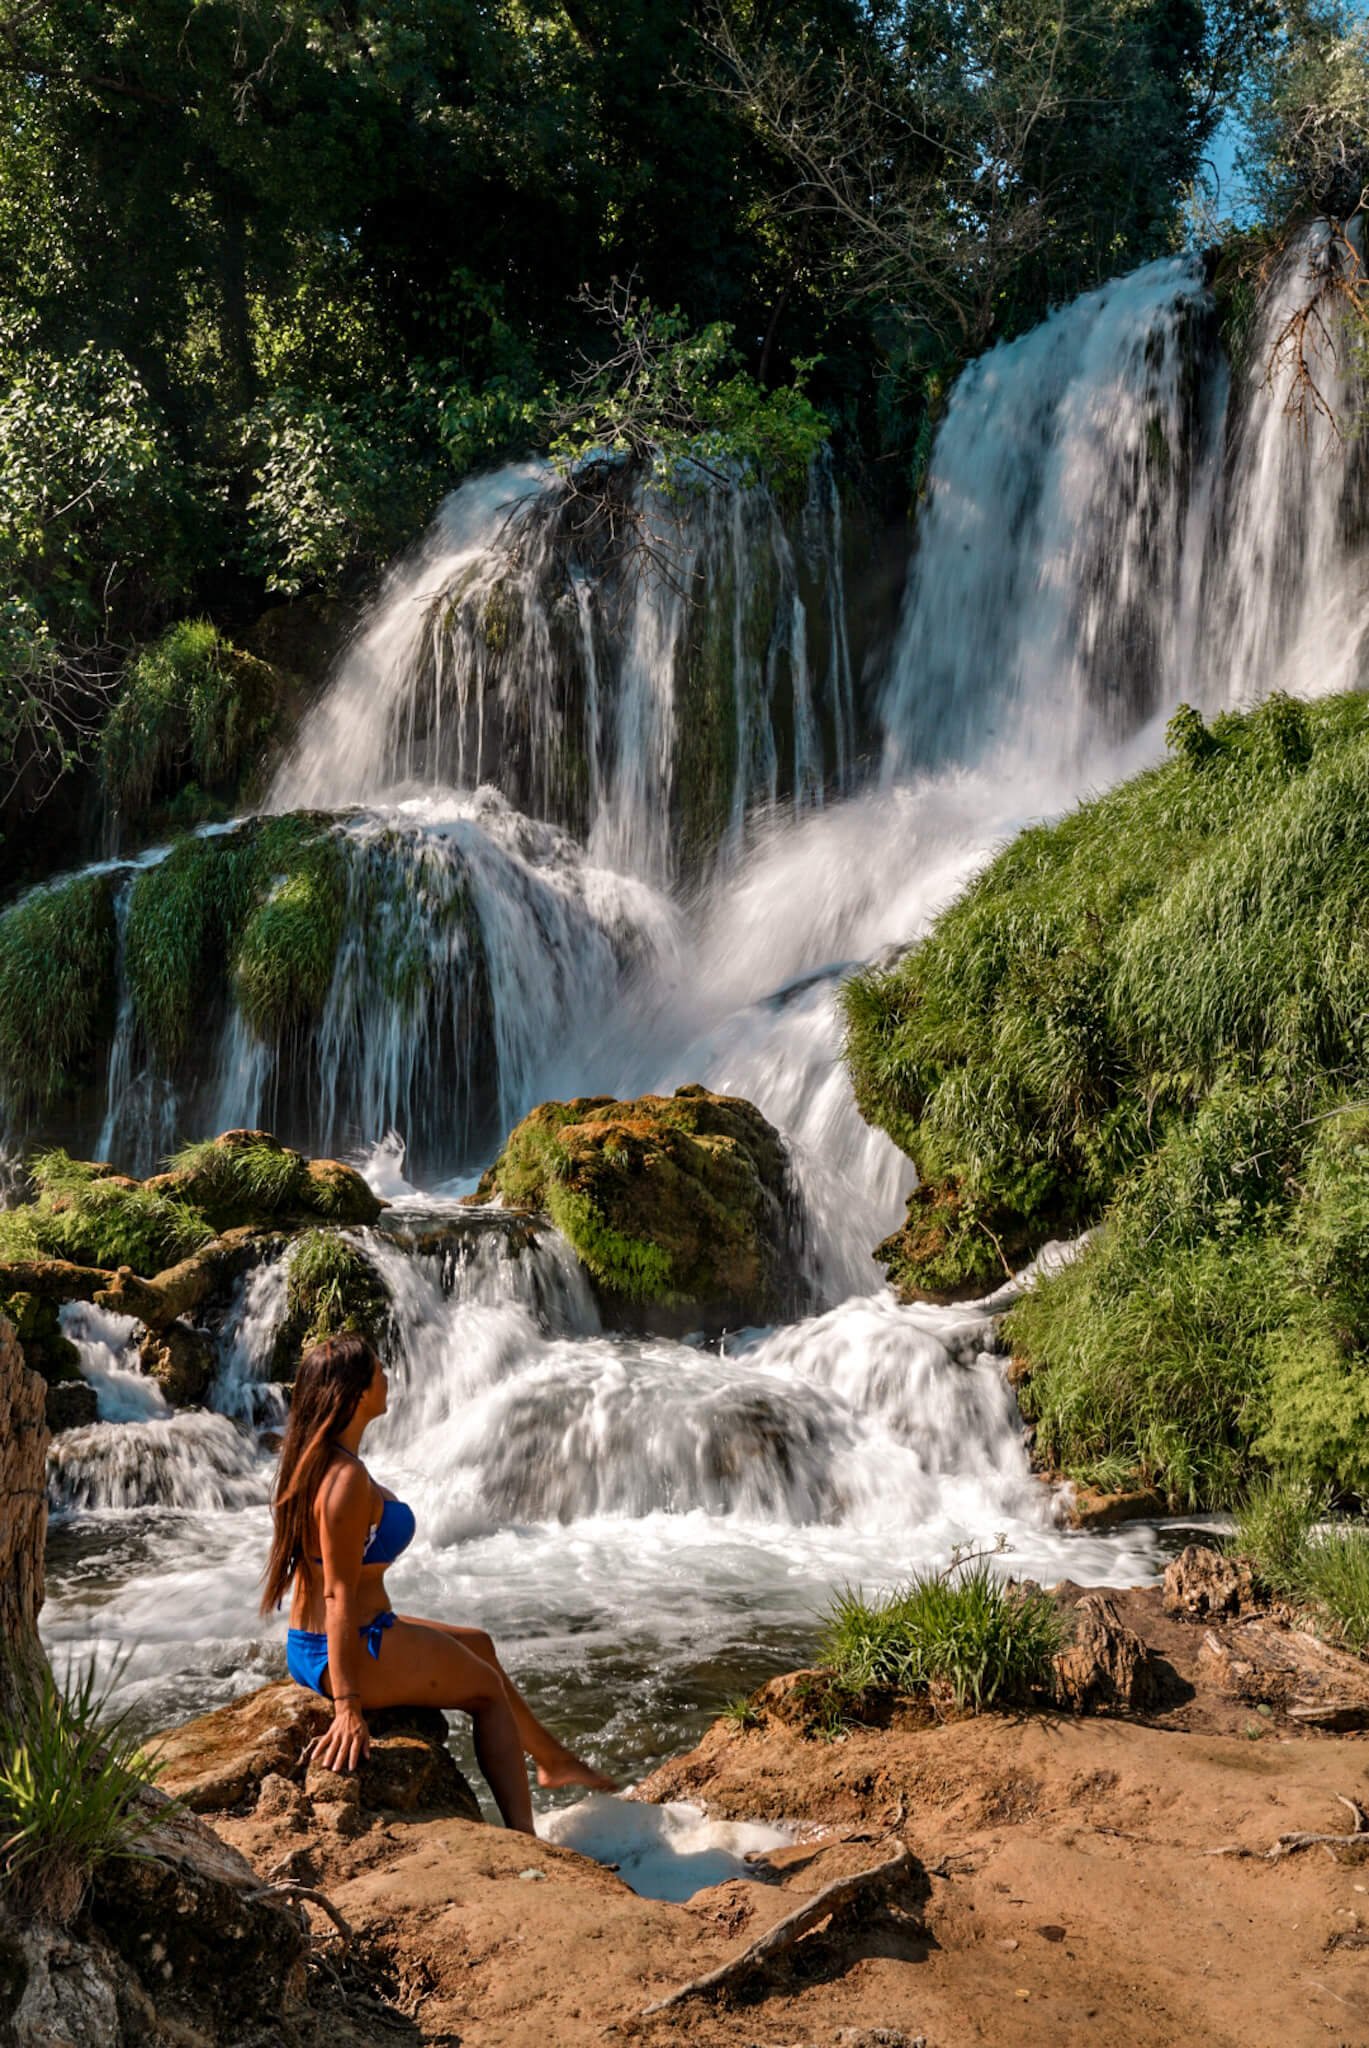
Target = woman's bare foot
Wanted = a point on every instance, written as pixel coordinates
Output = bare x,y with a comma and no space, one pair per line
568,1769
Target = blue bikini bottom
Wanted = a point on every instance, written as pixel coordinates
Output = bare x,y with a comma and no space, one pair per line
306,1653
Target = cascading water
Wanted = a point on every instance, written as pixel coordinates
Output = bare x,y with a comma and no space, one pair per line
648,712
647,1525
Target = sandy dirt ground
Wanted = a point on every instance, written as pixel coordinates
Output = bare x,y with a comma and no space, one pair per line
1062,1892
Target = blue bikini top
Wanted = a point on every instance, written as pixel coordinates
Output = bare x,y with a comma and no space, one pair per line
391,1534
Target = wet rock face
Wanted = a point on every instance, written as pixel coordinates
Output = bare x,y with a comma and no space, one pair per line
181,1359
70,1404
1202,1583
250,1754
680,1207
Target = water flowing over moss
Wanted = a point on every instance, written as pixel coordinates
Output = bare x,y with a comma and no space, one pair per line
1154,1017
57,997
258,912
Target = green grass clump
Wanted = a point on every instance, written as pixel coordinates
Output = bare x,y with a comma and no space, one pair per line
283,967
84,1214
1274,1523
241,1180
257,912
332,1289
1336,1579
968,1630
57,992
191,706
1153,1018
72,1780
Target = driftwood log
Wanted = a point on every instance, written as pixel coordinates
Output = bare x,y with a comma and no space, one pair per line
843,1891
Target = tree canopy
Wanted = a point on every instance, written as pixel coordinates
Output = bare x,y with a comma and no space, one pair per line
274,275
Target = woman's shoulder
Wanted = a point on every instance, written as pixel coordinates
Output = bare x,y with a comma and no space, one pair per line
346,1486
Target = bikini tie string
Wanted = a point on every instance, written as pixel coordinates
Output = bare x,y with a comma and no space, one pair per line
376,1629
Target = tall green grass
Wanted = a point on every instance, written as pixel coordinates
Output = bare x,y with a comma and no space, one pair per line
71,1784
94,1219
1153,1018
1281,1527
986,1640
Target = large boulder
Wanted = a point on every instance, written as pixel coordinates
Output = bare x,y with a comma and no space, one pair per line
182,1942
228,1759
680,1207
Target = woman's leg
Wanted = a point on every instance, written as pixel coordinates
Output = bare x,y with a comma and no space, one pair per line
556,1765
420,1666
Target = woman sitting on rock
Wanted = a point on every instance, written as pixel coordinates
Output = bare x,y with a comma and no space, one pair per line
336,1531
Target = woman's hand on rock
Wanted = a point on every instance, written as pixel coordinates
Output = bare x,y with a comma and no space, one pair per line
345,1745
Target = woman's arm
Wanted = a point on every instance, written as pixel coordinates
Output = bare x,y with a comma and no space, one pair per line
344,1515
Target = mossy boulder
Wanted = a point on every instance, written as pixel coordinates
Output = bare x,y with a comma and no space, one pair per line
332,1290
250,1177
679,1207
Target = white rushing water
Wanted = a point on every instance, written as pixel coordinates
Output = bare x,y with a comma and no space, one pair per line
647,1525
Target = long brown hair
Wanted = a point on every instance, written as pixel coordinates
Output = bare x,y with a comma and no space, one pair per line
331,1380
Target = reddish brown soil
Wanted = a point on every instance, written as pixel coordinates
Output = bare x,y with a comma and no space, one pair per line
1064,1893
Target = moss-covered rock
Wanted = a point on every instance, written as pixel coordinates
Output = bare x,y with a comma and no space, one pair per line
678,1206
192,716
253,916
332,1290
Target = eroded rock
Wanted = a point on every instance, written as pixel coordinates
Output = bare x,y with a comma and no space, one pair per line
1202,1582
181,1359
1107,1666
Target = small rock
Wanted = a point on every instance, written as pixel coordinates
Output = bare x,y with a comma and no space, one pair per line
533,1876
182,1362
280,1800
1202,1582
1010,1943
1051,1933
339,1192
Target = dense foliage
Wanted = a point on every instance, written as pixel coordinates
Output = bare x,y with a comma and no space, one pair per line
275,275
1151,1017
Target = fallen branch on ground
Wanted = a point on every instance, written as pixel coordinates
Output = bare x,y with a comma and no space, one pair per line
841,1892
287,1888
1288,1845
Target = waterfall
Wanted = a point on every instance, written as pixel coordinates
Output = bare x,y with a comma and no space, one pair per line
607,835
648,709
1112,528
1288,570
